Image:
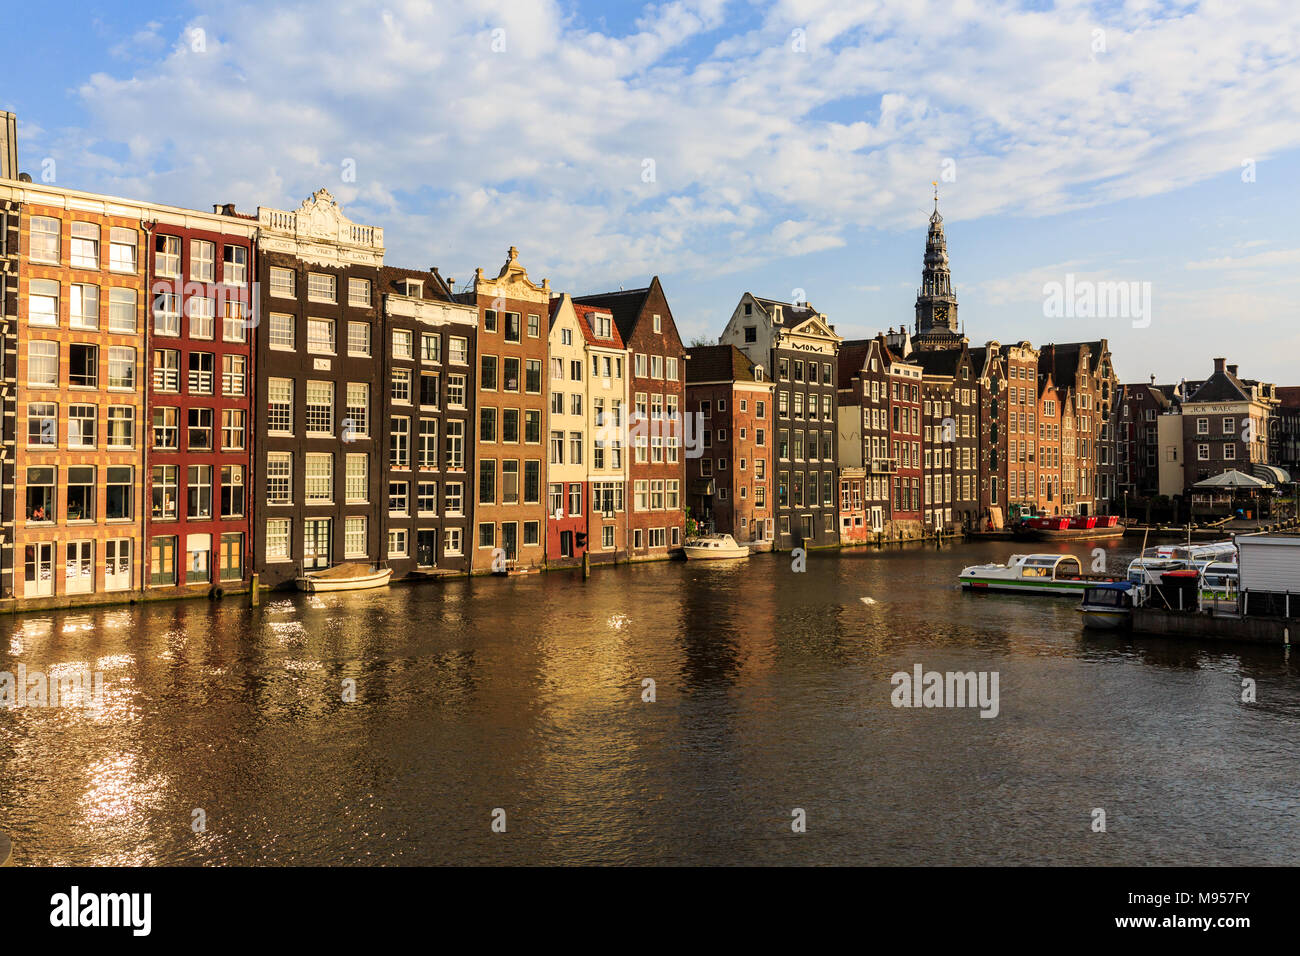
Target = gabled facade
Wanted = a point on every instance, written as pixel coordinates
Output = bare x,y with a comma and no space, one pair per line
800,348
1225,425
608,402
1020,365
428,339
905,439
989,369
509,503
657,470
950,414
318,493
863,440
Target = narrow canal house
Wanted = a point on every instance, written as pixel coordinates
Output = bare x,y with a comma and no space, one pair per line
1085,369
950,423
608,402
10,262
730,483
509,508
905,436
430,354
318,496
78,343
657,470
199,447
796,344
1020,367
867,465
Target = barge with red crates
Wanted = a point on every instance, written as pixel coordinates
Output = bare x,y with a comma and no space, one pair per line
1069,528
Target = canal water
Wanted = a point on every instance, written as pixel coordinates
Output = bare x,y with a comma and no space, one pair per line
222,735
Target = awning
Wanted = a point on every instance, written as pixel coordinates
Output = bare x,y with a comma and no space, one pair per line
1271,473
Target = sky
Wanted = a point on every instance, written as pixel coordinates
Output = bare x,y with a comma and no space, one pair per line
783,148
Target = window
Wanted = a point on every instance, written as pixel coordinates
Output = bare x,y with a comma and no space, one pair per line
82,420
84,306
359,293
199,431
533,377
430,347
85,245
320,408
277,539
166,314
233,326
354,537
121,310
359,338
399,442
318,469
279,406
428,443
281,335
167,256
83,365
320,336
119,494
44,239
532,482
397,542
402,344
510,425
279,477
430,391
166,433
162,561
455,503
43,424
198,490
203,255
357,412
121,426
534,326
40,494
232,491
398,497
356,483
233,374
322,288
456,391
282,285
458,349
43,364
165,491
198,551
400,389
232,428
512,326
200,380
43,302
487,481
455,447
235,267
510,482
81,493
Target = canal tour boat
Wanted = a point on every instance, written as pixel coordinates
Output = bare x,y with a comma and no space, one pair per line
714,547
1109,605
1032,574
1069,528
345,577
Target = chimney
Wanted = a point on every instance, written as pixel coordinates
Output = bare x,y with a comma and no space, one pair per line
1232,370
8,145
1218,364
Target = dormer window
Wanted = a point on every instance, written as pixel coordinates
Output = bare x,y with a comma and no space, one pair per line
414,288
602,325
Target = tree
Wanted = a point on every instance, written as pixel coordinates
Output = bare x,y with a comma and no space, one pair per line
700,341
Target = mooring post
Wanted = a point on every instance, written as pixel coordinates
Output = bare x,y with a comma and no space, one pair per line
586,565
254,595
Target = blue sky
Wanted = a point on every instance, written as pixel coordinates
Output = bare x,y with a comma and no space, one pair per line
793,145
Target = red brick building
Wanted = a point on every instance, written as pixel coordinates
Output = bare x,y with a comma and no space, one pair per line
657,469
730,482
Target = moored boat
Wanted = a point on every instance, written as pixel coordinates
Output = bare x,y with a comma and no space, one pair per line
1109,605
1032,574
344,577
1070,528
713,547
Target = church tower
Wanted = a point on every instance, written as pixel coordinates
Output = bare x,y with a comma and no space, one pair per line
936,305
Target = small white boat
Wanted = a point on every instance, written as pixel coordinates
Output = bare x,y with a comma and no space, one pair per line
345,577
1033,574
1110,606
1153,562
714,547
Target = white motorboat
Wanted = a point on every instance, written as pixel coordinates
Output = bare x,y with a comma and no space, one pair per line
714,547
344,577
1033,574
1153,562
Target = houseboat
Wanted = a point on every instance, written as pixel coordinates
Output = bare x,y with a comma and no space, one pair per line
714,547
1032,574
1153,562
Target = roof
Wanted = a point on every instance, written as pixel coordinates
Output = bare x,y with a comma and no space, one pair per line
1222,386
625,305
434,288
1233,479
718,363
938,361
585,314
852,356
